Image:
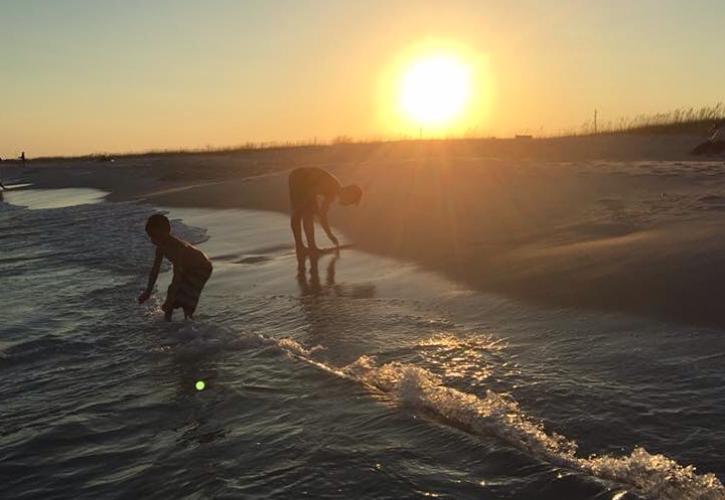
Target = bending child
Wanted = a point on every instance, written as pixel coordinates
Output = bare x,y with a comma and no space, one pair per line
306,184
192,268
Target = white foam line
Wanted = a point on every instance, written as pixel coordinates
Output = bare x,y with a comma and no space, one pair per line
653,476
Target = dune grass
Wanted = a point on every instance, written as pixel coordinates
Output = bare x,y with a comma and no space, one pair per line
695,121
678,121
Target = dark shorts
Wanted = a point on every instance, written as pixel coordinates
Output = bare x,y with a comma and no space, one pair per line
191,284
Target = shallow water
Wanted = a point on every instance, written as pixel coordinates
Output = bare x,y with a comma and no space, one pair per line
35,198
367,378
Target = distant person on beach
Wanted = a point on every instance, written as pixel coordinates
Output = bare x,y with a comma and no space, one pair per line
306,184
192,268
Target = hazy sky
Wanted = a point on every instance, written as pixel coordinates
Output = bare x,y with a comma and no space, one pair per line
100,76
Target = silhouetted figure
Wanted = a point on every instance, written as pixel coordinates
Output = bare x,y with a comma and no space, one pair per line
306,184
192,268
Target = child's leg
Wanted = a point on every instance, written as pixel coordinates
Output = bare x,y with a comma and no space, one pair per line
308,222
168,311
296,223
168,306
191,284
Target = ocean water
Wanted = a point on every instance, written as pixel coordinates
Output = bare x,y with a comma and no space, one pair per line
367,378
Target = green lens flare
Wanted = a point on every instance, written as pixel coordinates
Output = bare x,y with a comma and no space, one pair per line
200,385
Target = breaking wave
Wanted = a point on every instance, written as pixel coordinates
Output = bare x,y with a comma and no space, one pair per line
644,473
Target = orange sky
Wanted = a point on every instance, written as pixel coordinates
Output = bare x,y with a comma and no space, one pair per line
83,76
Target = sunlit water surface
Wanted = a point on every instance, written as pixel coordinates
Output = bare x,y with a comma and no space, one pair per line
366,378
50,198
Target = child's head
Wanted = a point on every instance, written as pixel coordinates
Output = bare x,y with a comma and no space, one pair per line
350,195
158,227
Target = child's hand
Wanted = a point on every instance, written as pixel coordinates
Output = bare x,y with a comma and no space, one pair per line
144,296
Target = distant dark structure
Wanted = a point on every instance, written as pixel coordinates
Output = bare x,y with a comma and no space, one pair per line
715,144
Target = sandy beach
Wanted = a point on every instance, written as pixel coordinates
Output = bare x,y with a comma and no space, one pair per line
634,225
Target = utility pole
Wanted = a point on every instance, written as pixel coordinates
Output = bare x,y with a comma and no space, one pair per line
595,121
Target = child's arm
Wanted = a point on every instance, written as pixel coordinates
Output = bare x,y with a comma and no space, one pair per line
153,275
322,214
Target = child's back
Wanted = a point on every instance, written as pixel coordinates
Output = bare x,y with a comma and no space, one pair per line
183,254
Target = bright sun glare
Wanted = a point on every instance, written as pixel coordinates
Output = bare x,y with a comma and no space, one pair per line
435,90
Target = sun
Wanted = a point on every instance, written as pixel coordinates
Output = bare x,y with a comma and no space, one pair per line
435,90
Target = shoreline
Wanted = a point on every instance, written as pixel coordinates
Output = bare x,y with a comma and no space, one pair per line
639,236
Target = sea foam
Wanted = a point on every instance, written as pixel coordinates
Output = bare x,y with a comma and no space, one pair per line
650,475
